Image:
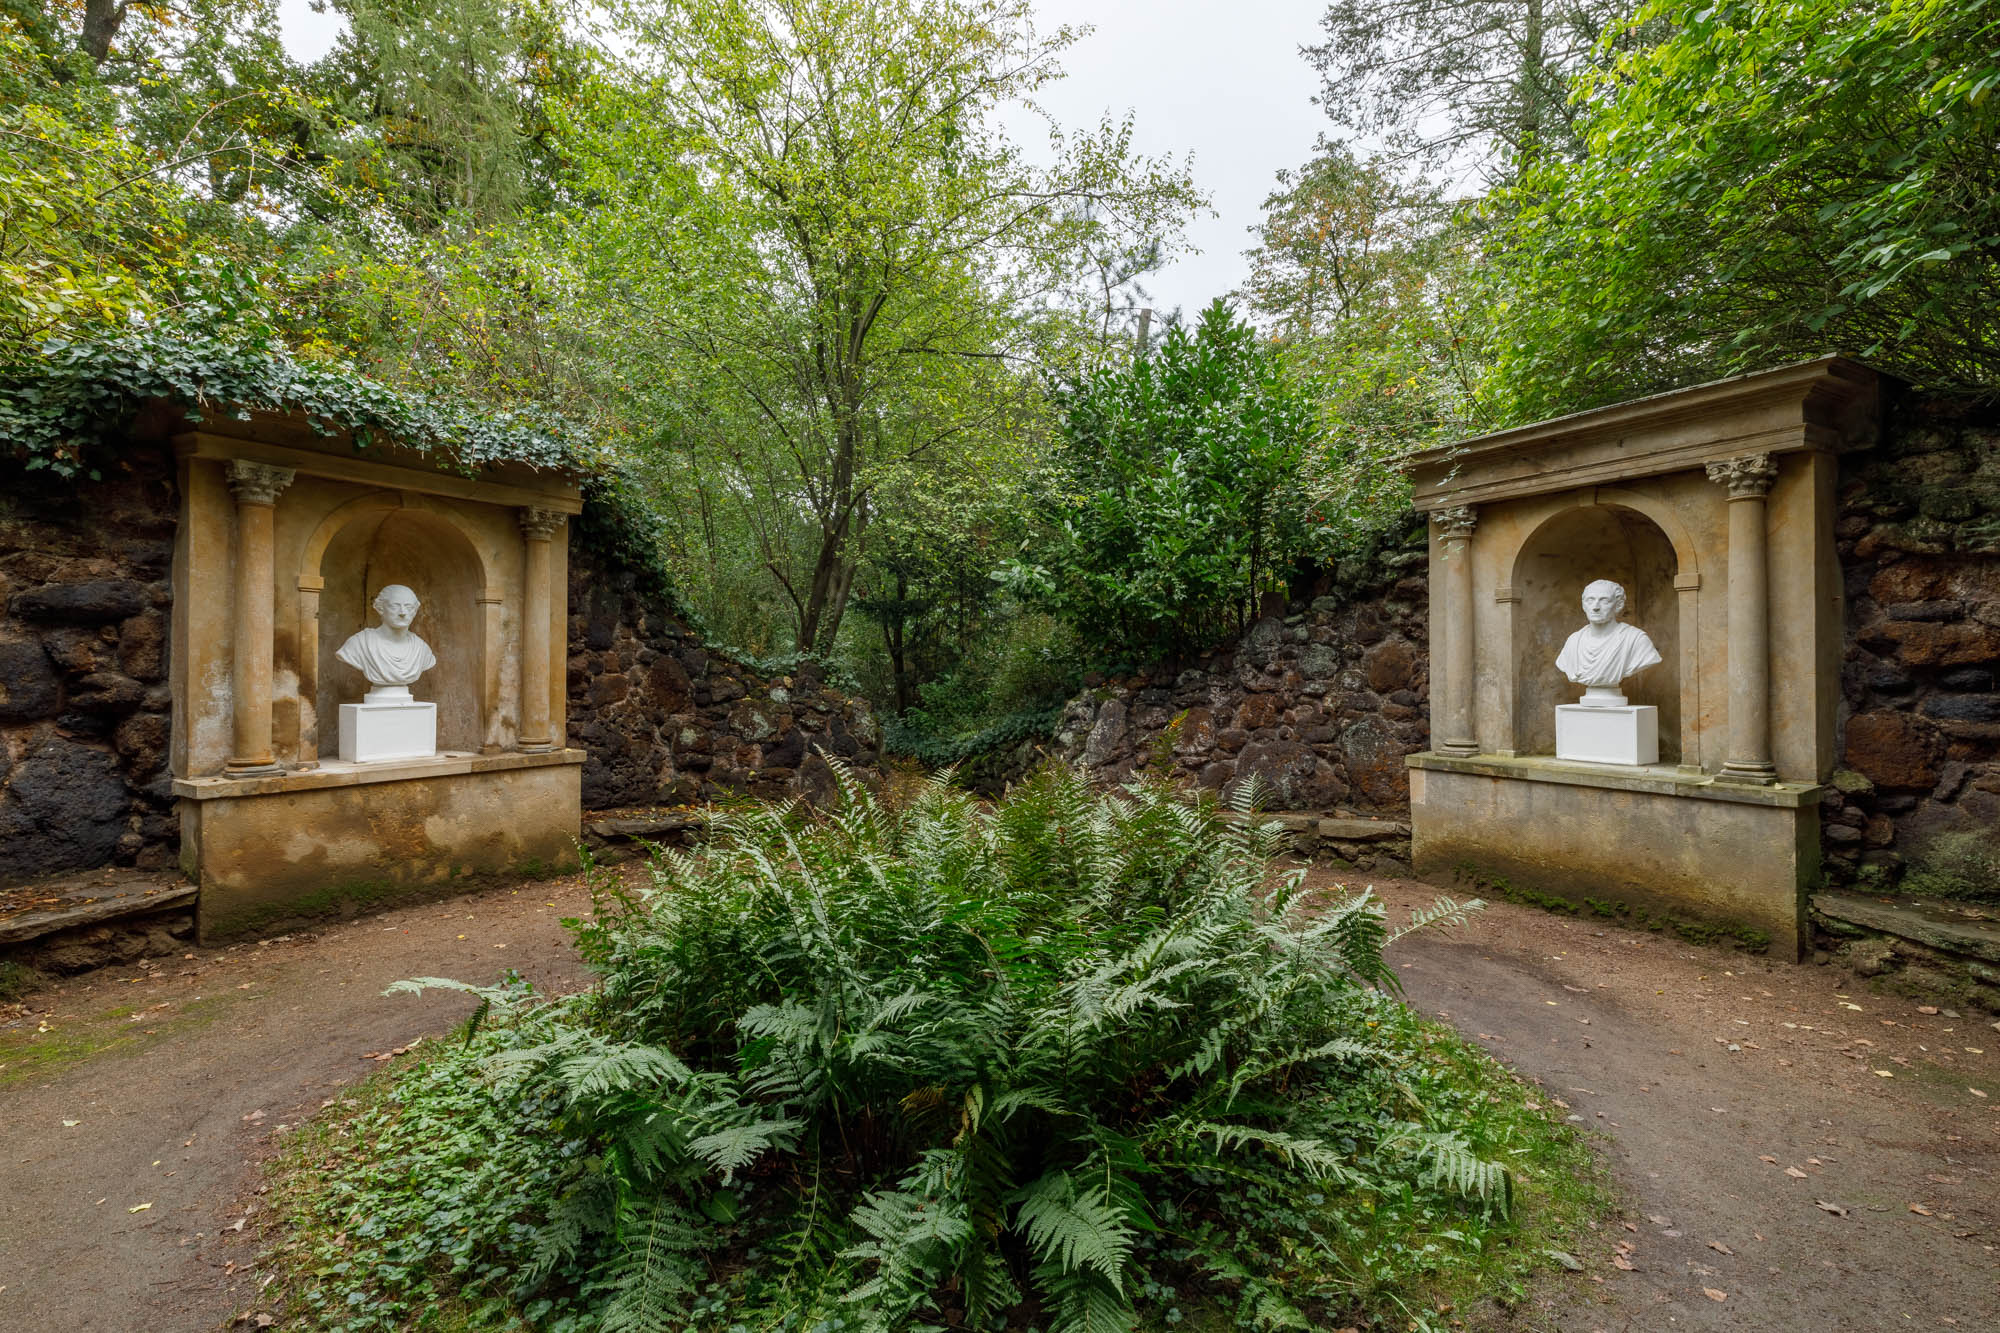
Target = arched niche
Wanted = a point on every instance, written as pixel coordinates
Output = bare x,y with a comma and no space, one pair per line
386,542
1568,551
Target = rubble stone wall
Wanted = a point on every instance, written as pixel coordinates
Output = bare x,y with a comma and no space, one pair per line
1321,703
667,720
85,604
1917,799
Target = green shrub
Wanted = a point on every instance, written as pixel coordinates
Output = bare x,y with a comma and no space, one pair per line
1061,1064
1174,502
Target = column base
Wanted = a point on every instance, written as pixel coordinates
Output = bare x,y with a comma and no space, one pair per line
1459,749
252,768
1759,775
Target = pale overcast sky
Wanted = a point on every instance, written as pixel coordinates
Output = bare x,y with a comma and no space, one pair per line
1219,79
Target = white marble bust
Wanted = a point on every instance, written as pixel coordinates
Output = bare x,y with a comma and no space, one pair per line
1605,651
388,654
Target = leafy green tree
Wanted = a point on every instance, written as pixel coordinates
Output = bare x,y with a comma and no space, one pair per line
1171,504
1367,282
1474,83
814,258
1774,179
103,218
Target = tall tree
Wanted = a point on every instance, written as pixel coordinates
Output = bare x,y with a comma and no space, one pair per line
1366,280
809,206
1773,179
1460,85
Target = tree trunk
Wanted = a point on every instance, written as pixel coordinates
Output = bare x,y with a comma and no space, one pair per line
101,21
1532,42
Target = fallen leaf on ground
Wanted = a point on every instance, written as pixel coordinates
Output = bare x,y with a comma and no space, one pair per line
71,1124
1719,1247
1884,1073
1921,1211
1620,1262
1714,1295
139,1208
1772,1160
1833,1208
1659,1221
1795,1173
1927,1008
1566,1260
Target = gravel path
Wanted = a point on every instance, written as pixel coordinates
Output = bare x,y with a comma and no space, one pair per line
1794,1152
122,1220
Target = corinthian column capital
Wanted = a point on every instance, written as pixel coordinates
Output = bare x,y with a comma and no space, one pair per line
257,483
1746,478
540,524
1457,521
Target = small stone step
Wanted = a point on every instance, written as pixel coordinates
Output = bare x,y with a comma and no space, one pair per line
649,829
35,911
1959,928
1362,830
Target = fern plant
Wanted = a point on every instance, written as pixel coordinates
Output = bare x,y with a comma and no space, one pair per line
931,1064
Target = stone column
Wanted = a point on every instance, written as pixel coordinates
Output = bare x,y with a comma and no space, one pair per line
539,526
1455,552
1748,480
256,487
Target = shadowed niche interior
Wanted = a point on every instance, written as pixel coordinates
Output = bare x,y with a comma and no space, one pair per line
1564,555
430,556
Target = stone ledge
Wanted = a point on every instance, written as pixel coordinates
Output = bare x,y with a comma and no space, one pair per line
77,901
1659,779
652,828
1939,925
361,775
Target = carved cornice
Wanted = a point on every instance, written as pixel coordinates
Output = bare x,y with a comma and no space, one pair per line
1457,521
257,483
540,524
1747,478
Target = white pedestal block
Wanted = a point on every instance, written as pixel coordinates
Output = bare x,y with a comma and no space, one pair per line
389,730
1628,735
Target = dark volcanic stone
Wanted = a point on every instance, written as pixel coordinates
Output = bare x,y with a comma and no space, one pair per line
1938,610
1964,707
28,685
95,601
106,692
75,799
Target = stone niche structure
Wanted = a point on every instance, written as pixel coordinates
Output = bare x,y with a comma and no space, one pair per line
284,538
1714,507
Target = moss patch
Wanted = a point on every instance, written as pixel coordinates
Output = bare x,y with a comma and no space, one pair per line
356,897
1694,930
29,1054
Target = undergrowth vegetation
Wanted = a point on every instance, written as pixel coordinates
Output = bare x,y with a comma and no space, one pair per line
1074,1062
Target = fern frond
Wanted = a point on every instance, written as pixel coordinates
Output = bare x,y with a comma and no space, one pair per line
1075,1227
1455,1167
1445,913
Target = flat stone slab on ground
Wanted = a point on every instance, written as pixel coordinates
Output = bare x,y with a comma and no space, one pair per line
1362,830
1960,928
31,911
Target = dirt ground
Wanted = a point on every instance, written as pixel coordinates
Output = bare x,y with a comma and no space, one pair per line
1794,1152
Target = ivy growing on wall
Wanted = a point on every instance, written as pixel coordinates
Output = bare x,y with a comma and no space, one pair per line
70,408
75,397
